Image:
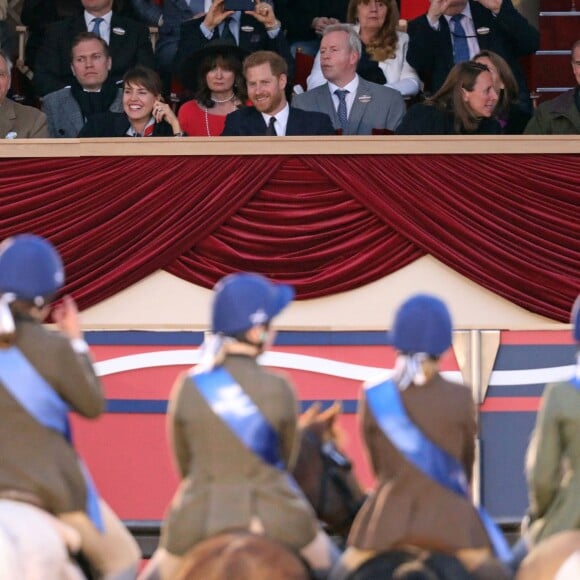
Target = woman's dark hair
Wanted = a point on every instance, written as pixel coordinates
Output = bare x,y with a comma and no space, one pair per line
510,93
449,97
228,62
144,77
384,46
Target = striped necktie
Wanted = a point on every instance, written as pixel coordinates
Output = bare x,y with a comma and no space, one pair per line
460,47
341,111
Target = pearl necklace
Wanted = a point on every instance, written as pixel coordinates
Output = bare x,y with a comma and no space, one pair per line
221,101
206,114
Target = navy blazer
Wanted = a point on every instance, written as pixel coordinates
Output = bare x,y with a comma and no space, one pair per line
253,37
248,121
129,46
510,35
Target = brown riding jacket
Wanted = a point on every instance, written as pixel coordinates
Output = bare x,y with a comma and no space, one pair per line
224,484
35,459
406,506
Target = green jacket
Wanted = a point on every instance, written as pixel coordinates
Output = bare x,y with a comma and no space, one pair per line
553,463
559,116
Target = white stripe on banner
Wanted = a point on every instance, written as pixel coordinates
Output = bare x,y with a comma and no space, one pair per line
324,366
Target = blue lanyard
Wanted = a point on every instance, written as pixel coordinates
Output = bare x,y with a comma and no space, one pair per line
43,403
387,407
236,409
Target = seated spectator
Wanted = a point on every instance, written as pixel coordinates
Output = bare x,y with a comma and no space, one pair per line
266,79
91,92
221,89
354,105
144,113
305,20
128,40
511,115
37,15
560,116
465,104
376,22
251,31
17,121
453,31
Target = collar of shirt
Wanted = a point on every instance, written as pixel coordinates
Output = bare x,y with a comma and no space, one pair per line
132,133
469,27
105,27
281,120
351,87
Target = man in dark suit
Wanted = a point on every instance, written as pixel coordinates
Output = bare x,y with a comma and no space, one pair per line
251,31
436,38
128,40
266,78
354,105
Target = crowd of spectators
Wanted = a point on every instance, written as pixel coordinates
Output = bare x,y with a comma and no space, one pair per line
368,75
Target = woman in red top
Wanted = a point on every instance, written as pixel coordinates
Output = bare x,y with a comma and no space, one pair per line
216,71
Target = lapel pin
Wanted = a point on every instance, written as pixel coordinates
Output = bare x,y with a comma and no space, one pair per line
119,31
482,31
365,98
247,28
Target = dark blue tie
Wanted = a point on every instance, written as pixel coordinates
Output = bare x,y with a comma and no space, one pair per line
97,26
460,47
341,111
227,35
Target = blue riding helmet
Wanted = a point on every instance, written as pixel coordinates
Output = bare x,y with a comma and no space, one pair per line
30,268
244,300
422,324
575,319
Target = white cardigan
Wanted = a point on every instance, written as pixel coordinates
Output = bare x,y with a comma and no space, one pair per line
399,73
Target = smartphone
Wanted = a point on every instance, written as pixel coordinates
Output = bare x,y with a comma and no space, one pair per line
243,5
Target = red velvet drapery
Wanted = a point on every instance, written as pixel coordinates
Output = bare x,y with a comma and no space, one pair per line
322,223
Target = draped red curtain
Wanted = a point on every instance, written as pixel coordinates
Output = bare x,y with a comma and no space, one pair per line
326,224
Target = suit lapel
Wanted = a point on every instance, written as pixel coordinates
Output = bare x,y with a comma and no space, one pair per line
258,123
116,41
358,108
325,103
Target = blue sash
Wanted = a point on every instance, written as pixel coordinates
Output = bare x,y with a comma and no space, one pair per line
237,410
387,407
44,404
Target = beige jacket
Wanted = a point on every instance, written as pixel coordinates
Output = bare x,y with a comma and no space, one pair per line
21,122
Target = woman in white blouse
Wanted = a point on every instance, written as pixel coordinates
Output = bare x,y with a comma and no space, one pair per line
376,22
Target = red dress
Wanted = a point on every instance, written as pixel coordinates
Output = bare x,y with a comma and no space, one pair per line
198,121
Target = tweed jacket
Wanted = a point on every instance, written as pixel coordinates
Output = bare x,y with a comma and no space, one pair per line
559,116
406,506
553,463
65,118
21,121
374,107
508,34
224,484
129,46
36,459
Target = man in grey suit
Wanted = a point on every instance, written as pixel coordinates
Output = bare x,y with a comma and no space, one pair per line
91,91
354,105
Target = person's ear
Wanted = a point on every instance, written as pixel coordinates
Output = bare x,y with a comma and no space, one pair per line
109,63
283,81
